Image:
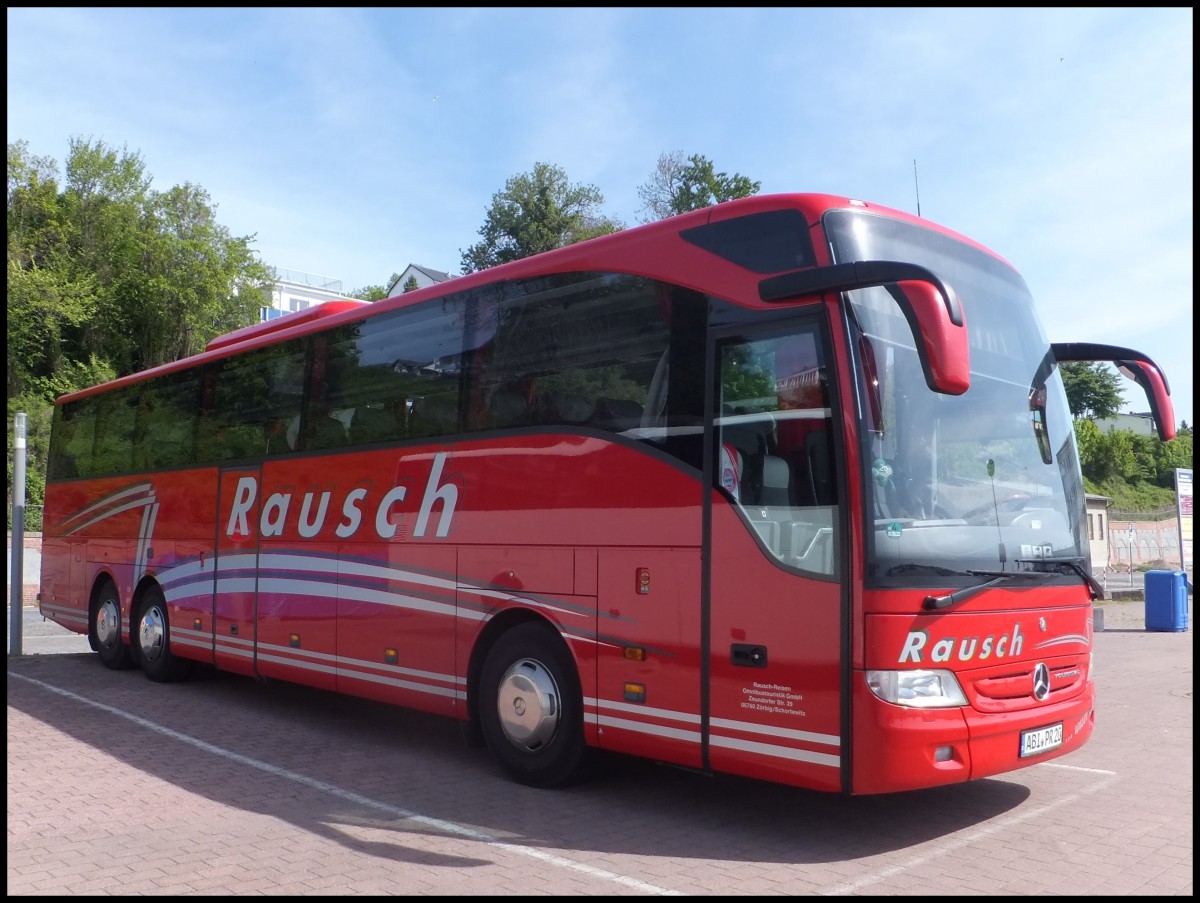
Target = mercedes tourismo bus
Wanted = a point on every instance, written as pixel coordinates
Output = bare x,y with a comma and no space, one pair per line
785,488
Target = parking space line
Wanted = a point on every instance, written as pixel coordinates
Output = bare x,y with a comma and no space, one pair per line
350,796
953,846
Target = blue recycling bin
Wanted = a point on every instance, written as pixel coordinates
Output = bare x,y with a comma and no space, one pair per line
1166,600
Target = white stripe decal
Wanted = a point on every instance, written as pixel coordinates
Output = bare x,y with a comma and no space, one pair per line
443,692
1069,639
751,728
781,752
109,499
654,730
112,512
145,536
643,710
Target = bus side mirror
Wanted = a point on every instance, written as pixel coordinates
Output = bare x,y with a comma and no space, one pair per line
941,343
1135,365
1154,384
931,307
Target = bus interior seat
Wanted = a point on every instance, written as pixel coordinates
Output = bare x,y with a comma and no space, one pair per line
508,407
776,486
616,414
750,445
570,408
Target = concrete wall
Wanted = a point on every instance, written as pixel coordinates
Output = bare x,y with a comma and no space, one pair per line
1150,541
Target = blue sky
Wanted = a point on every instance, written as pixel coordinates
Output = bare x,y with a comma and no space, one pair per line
352,142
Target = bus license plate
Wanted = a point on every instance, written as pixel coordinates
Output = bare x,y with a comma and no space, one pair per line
1041,740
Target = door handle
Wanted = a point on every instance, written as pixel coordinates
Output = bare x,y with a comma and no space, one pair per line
748,656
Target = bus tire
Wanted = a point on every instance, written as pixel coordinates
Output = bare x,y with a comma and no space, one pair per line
105,628
531,708
154,653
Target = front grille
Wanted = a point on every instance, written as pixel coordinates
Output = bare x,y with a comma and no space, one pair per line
1008,687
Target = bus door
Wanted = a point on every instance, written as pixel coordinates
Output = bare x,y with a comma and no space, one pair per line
235,570
775,568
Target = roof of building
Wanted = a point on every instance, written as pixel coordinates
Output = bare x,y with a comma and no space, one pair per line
432,275
435,275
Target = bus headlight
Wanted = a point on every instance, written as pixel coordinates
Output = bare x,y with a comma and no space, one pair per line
918,689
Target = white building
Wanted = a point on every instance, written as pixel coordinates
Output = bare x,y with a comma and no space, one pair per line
294,290
422,275
1097,529
1141,424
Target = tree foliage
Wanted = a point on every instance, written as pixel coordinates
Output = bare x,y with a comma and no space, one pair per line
107,276
1093,389
410,285
1135,470
678,185
537,211
375,292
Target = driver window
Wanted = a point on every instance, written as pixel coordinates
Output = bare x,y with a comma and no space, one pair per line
775,437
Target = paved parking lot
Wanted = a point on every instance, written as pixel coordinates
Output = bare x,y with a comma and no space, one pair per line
224,785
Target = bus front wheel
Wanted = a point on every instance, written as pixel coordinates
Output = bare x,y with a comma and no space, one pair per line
531,708
158,662
106,629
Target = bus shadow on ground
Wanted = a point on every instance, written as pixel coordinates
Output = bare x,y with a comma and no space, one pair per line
421,778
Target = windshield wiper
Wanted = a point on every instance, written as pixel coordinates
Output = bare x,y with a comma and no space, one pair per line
936,603
898,569
1076,565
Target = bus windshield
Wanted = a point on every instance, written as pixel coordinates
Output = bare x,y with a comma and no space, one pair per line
988,480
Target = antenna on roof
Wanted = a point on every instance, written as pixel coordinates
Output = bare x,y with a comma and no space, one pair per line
916,186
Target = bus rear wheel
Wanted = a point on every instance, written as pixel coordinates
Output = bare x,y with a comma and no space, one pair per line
106,629
531,708
154,653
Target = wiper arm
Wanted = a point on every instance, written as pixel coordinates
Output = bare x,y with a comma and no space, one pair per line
898,569
1075,564
936,603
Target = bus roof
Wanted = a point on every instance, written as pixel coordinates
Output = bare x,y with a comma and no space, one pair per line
655,250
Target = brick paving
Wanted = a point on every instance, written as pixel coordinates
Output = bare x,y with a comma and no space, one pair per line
224,785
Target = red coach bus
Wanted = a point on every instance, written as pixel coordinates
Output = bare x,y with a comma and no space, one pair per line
786,488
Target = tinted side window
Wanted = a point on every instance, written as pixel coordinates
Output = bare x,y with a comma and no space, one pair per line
253,404
573,350
71,437
113,449
165,426
392,377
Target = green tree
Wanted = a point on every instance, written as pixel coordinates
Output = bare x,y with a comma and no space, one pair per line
107,269
1167,456
1093,389
34,232
192,280
678,185
537,211
410,285
375,292
107,276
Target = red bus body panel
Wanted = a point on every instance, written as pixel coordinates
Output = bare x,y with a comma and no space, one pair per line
994,653
382,573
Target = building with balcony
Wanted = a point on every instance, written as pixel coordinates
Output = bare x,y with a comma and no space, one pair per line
294,291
